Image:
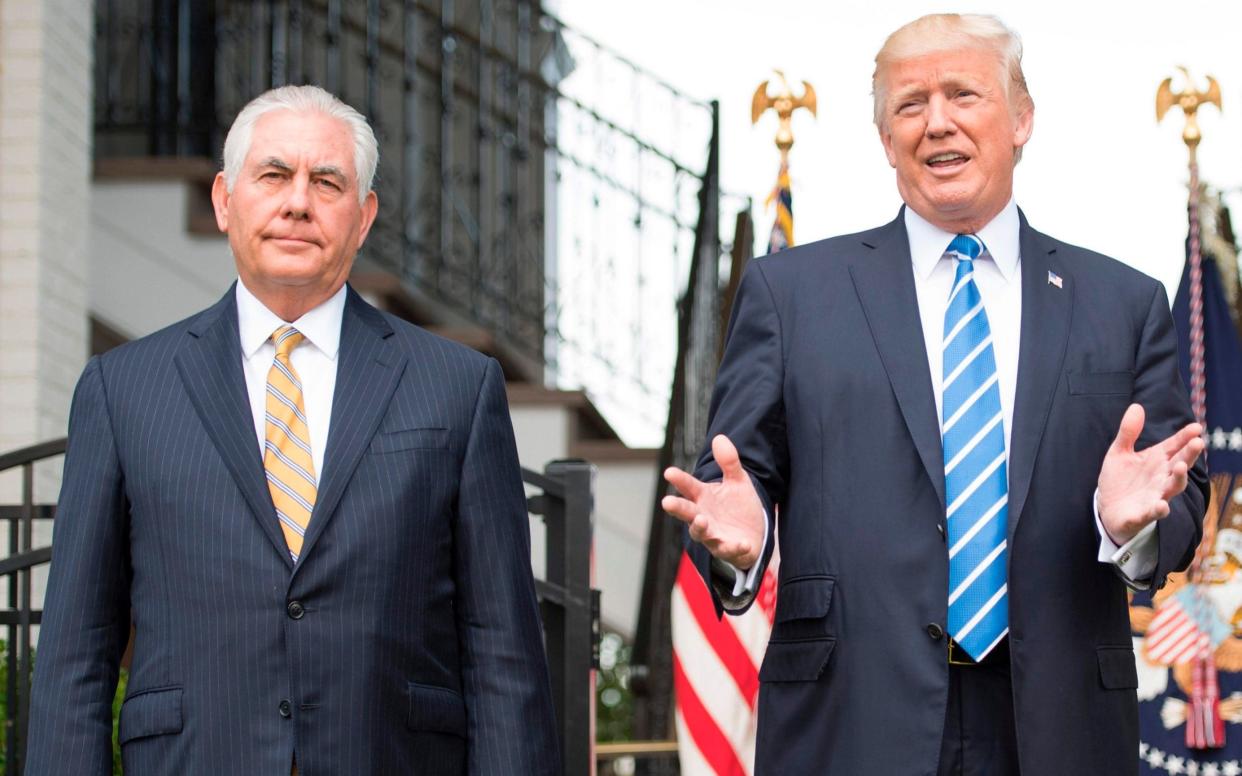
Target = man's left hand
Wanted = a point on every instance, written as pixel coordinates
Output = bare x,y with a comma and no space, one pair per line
1135,486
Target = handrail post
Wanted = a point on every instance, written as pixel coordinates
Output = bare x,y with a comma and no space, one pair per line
570,567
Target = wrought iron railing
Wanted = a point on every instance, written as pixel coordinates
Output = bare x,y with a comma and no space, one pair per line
20,614
532,181
561,497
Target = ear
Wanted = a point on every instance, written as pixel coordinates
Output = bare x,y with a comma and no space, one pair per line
1023,126
886,138
370,206
220,201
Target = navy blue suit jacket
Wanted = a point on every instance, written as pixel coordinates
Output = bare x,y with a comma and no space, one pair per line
825,390
415,645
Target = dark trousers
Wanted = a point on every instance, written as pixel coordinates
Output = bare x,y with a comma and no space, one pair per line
979,737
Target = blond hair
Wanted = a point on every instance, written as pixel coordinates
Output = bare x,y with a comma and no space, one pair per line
945,32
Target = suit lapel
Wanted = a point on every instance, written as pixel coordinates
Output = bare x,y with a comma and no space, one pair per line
884,282
368,370
210,366
1046,310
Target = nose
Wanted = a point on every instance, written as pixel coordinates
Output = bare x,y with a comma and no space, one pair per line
297,203
939,117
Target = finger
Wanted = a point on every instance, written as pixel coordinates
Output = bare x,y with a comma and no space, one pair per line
1179,440
727,458
680,508
698,528
686,483
1176,482
1160,510
1131,427
1189,453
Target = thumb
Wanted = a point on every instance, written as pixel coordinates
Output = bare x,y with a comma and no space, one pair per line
1131,427
727,458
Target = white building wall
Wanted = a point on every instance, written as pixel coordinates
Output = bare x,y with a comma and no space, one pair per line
45,161
45,158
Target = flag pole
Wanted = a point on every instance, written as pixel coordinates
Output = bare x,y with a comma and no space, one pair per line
1205,729
784,104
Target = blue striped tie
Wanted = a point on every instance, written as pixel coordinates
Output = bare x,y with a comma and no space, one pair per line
975,482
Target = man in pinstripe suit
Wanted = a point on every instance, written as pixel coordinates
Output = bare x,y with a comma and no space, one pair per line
310,512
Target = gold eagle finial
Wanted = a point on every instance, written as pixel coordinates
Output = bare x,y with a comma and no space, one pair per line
784,103
1189,100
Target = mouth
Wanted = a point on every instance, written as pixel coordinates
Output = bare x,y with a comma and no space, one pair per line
947,161
292,242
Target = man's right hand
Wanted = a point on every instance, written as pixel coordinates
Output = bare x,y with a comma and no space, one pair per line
726,517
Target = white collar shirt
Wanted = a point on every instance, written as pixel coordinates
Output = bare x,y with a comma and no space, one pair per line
314,360
999,279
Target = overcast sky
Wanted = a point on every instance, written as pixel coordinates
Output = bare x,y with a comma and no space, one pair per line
1098,171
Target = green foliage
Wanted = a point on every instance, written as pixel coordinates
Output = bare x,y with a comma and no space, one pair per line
614,708
121,684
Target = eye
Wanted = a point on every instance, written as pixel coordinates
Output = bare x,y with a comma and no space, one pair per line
327,183
271,175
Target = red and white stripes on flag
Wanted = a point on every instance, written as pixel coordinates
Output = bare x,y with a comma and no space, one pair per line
716,675
1173,637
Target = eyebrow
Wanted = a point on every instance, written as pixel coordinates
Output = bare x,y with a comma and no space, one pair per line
277,162
330,170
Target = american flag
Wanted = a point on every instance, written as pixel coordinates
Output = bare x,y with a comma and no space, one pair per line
716,675
716,661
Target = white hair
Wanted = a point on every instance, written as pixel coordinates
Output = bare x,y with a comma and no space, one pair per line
302,99
945,32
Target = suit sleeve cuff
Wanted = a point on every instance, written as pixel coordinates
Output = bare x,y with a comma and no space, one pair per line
1135,560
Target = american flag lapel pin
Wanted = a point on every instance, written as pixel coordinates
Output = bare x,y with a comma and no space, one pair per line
1054,279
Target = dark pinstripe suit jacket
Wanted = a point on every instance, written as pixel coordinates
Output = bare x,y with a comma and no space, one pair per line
414,646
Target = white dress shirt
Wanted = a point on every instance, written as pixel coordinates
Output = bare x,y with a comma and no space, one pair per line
314,360
997,273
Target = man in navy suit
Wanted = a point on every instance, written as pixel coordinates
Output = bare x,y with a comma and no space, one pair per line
310,512
967,437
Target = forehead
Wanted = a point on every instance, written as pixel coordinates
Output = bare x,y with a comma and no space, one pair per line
302,139
940,68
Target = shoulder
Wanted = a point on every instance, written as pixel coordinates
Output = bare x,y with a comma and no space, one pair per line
830,255
415,340
1096,273
159,347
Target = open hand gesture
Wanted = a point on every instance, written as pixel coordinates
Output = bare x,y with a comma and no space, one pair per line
726,517
1135,485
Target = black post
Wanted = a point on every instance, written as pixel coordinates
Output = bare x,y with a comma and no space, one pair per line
569,566
162,117
684,435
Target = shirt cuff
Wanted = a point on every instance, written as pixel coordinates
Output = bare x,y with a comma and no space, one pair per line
748,581
1136,559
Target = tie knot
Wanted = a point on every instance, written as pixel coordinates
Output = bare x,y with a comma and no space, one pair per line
286,338
966,246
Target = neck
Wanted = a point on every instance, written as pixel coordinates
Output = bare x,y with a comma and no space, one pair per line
290,303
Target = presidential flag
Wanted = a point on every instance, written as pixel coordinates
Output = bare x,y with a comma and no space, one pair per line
782,228
1188,636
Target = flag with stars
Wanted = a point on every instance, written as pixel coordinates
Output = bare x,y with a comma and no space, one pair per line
1188,618
782,228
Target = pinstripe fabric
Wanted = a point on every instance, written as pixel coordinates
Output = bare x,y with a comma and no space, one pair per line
287,461
420,648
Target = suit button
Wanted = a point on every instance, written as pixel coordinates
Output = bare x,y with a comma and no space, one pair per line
940,528
935,631
296,610
286,709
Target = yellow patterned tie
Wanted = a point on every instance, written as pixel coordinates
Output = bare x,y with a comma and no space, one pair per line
286,449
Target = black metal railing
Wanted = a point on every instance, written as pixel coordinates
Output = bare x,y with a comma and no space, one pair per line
532,181
20,615
562,497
